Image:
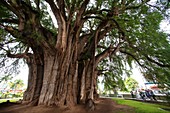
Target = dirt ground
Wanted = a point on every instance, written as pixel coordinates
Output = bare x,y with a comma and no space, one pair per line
103,105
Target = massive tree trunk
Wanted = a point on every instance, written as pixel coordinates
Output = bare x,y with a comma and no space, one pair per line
64,83
35,78
60,78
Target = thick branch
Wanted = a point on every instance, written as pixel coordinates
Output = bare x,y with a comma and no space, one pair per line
103,55
107,52
79,19
55,10
82,41
61,6
19,55
157,63
28,7
104,31
11,30
81,11
62,31
85,38
3,2
133,56
37,2
119,28
150,59
10,20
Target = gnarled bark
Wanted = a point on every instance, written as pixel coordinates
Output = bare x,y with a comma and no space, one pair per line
35,79
61,80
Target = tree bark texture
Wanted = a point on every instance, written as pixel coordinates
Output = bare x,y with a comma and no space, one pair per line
35,79
60,80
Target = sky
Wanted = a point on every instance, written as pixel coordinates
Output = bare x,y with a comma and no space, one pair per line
23,74
137,75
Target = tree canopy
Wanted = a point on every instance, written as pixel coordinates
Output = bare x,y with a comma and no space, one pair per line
63,55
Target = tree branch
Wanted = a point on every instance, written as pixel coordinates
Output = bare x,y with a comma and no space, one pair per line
79,19
15,33
109,51
55,10
120,29
137,6
150,59
19,55
3,2
62,26
157,63
81,11
37,2
133,56
95,17
61,6
9,20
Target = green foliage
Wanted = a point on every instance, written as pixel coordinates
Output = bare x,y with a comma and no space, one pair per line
17,84
5,95
46,19
17,95
113,74
141,107
144,38
6,78
4,12
14,86
131,84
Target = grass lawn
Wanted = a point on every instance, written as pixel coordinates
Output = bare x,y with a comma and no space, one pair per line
11,100
142,107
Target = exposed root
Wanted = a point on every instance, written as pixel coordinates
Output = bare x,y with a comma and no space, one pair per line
90,105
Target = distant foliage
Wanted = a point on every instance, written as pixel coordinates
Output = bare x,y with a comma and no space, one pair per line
131,84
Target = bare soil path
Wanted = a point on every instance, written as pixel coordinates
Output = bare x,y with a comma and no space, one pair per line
103,105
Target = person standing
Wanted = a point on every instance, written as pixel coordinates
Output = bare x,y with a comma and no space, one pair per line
132,94
137,94
152,95
142,95
147,94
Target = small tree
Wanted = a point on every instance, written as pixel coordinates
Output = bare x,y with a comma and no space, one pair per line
17,84
131,84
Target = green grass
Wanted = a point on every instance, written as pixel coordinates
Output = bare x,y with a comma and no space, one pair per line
141,107
11,100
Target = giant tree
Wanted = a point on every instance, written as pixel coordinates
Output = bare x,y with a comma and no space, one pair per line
62,57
